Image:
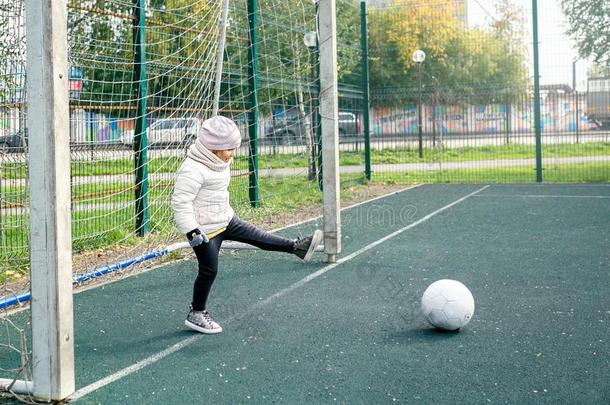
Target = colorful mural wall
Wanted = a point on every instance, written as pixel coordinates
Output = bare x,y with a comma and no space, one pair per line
86,126
559,114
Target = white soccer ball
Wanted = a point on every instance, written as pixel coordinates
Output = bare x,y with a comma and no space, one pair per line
447,304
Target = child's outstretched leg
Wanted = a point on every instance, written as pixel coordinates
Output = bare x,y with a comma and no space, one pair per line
198,318
241,231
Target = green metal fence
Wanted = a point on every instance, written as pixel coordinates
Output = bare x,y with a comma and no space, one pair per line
493,101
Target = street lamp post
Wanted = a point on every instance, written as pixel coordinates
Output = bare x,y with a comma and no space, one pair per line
418,57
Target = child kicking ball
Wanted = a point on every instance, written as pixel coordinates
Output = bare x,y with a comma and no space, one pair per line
201,209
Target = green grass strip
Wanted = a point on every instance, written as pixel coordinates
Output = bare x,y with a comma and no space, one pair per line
347,158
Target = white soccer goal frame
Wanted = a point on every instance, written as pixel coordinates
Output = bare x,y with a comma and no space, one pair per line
50,204
329,110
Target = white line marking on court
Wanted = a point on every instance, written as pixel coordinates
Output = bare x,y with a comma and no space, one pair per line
542,196
133,368
172,349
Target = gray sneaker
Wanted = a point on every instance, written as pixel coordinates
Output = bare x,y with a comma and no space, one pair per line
201,321
305,247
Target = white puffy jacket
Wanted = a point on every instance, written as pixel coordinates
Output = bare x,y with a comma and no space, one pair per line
201,198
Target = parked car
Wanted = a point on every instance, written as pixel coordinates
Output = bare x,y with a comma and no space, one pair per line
289,128
15,142
169,132
349,125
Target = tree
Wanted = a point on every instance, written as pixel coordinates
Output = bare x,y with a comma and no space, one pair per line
181,44
349,69
510,23
180,54
506,46
598,71
283,58
589,26
428,25
483,68
98,45
462,64
397,31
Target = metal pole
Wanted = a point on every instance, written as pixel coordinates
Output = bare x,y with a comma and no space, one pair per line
508,121
140,134
253,98
222,34
419,113
574,75
576,113
537,120
365,89
434,129
577,117
50,200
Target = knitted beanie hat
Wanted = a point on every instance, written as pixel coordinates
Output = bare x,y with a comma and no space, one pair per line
219,133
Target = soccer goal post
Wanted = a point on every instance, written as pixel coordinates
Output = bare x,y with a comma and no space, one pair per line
50,219
329,110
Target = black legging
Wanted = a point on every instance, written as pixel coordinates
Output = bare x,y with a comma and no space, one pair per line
207,254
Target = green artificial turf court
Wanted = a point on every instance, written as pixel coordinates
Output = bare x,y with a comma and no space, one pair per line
536,258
